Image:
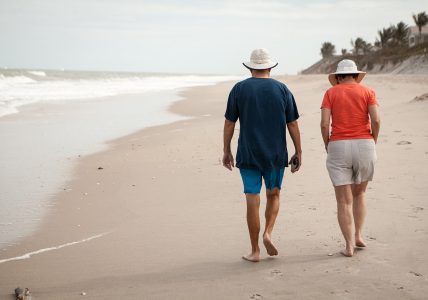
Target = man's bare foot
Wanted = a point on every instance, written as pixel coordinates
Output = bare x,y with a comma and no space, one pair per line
270,248
359,242
253,257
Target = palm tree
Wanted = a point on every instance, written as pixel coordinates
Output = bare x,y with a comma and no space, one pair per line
327,50
360,46
385,36
420,20
401,34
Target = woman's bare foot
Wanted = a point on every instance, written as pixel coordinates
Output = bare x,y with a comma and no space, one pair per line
253,257
359,242
348,252
270,248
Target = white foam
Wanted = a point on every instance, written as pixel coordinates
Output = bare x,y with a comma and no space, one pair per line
29,254
38,73
21,90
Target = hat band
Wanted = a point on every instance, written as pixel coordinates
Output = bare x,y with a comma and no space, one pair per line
348,70
261,62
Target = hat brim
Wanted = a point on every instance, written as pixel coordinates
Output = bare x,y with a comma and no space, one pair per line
253,66
333,81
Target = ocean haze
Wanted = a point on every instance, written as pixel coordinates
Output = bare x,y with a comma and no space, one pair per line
185,36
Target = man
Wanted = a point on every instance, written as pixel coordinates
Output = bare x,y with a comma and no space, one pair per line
264,107
351,111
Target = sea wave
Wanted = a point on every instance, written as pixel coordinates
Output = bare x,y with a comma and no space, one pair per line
37,73
19,87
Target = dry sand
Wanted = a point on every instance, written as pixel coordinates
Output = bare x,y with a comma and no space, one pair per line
173,219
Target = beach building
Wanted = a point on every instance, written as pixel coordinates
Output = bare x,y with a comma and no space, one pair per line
414,35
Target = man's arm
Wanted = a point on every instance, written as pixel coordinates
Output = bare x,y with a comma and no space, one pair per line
293,129
229,128
325,126
375,121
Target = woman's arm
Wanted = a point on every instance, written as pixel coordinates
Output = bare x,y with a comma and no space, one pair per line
325,125
374,120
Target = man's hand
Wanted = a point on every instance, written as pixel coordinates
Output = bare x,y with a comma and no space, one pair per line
228,161
293,130
298,157
229,128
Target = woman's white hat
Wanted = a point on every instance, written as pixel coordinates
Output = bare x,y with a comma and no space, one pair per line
260,60
346,66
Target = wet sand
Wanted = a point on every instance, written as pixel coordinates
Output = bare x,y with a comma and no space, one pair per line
156,216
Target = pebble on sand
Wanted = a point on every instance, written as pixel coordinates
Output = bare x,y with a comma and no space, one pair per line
22,294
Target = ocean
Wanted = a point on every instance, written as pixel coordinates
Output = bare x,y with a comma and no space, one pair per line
48,119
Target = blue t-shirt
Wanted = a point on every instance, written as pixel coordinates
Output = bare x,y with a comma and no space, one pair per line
263,106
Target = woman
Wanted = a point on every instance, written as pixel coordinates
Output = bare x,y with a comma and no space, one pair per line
351,153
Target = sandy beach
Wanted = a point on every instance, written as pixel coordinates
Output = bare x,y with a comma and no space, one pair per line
156,216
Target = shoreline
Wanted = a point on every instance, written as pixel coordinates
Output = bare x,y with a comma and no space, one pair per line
176,108
64,132
176,221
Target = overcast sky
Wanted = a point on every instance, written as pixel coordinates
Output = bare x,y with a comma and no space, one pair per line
186,36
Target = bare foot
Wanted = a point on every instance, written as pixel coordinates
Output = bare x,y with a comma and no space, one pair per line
270,248
348,252
359,242
253,257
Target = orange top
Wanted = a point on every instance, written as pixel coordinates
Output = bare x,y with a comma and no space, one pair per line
349,104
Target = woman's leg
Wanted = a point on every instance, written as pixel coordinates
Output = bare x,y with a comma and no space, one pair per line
359,211
345,217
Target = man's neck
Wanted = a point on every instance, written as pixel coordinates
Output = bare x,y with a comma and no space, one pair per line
260,73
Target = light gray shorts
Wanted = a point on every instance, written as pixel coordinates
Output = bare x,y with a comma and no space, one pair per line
351,161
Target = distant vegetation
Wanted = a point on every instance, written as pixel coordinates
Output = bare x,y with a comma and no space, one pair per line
391,45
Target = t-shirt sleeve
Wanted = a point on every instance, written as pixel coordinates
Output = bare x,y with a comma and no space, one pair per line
232,112
372,98
326,102
291,112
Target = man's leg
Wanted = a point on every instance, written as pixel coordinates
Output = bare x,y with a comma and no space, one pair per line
359,210
344,215
272,208
253,221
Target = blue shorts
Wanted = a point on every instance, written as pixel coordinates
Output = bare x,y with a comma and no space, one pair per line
252,179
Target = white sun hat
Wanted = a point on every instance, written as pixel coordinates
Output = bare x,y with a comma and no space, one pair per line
260,60
346,66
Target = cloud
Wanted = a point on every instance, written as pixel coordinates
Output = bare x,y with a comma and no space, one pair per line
293,29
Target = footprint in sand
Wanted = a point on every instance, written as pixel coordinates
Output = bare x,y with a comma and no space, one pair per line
417,209
404,143
276,273
422,97
415,273
256,297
